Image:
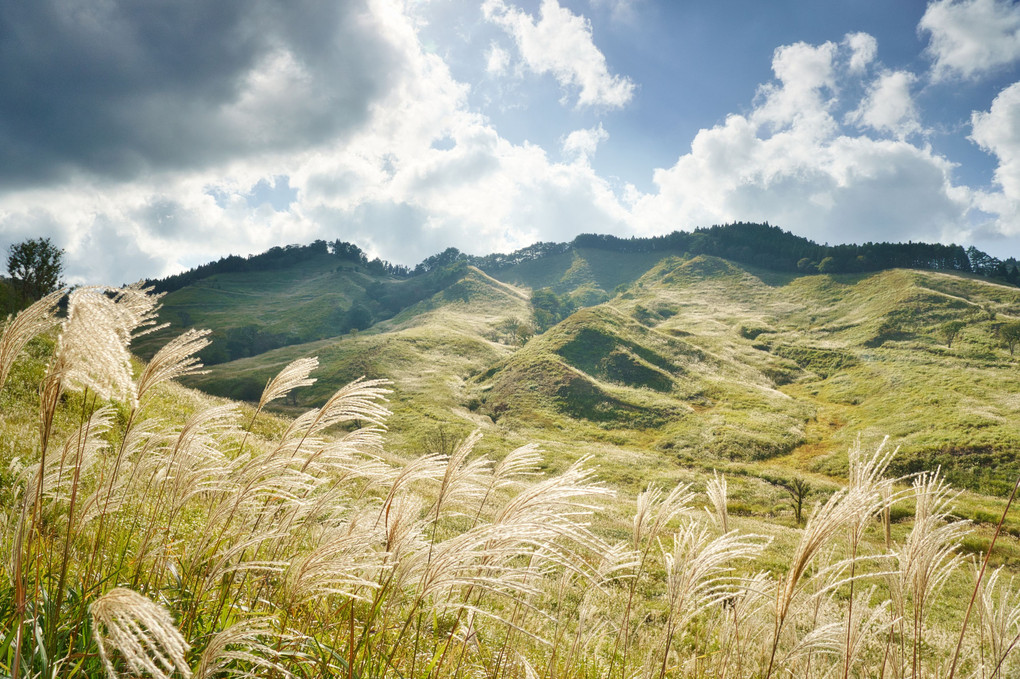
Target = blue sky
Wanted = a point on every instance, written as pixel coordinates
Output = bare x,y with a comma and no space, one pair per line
148,140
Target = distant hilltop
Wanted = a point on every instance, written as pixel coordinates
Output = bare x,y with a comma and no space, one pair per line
760,245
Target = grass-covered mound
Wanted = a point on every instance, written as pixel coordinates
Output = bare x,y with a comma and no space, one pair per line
430,351
605,368
868,352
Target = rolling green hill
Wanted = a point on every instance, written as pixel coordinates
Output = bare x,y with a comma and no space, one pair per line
429,350
692,360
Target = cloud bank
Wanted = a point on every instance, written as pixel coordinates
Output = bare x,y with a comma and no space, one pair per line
154,141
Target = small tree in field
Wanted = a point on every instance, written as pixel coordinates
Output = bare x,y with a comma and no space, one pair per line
35,266
950,329
798,490
1010,335
515,331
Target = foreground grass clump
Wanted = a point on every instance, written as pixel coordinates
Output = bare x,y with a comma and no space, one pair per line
143,536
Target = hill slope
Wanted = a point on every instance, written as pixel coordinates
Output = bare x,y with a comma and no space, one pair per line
698,361
429,351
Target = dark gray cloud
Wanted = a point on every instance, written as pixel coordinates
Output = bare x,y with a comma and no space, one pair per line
118,88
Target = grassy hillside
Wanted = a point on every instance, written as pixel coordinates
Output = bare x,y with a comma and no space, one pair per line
282,306
863,354
322,296
581,268
696,360
429,350
151,530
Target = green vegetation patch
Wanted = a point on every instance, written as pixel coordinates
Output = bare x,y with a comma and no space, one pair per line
824,362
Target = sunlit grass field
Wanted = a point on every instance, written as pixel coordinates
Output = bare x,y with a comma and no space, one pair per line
150,530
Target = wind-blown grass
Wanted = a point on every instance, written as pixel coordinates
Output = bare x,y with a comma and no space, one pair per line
140,542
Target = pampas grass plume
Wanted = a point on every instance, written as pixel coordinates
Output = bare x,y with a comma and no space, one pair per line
142,631
35,320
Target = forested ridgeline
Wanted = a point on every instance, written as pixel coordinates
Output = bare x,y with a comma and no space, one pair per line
281,258
770,247
759,245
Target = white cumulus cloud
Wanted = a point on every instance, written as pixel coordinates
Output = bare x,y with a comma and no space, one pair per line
561,43
789,162
497,60
889,106
863,48
581,144
998,132
802,96
971,37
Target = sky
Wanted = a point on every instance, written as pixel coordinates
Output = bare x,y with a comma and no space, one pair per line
147,138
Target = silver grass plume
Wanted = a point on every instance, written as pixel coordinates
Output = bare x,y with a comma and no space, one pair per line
592,630
716,491
867,628
481,558
293,376
341,460
864,497
823,523
353,456
570,494
193,462
698,570
35,320
653,512
742,624
844,508
462,480
175,359
92,351
359,400
138,306
556,512
142,631
426,467
140,444
81,448
929,555
999,603
868,472
275,474
403,537
529,671
522,461
342,564
239,651
826,639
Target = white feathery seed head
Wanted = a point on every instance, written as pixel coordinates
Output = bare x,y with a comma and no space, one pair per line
241,646
142,631
175,359
92,351
35,320
716,491
359,400
293,376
